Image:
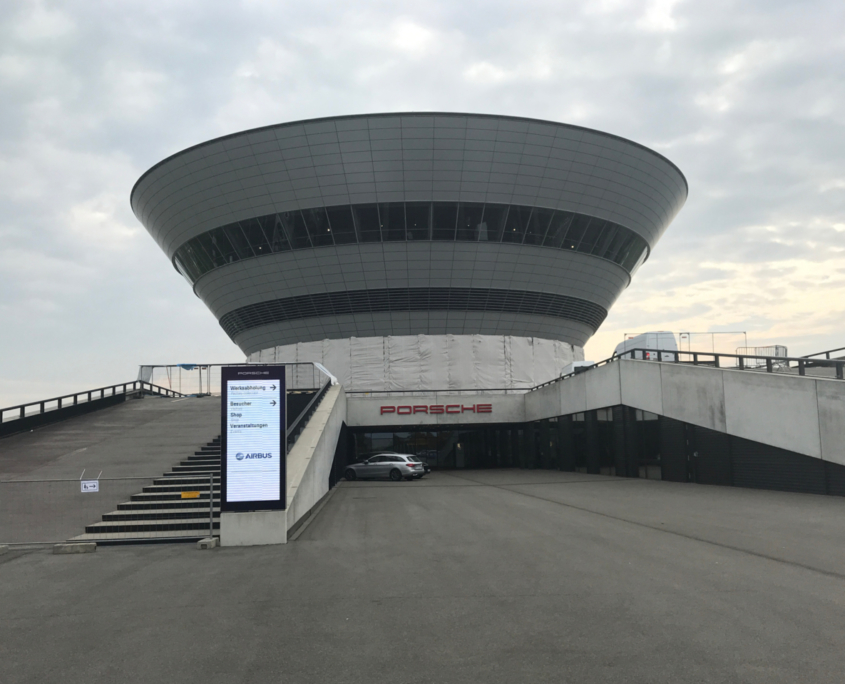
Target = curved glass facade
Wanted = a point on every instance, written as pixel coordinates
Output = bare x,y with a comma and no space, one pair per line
409,221
348,302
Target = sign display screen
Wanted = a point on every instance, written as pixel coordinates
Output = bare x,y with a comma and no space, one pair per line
253,438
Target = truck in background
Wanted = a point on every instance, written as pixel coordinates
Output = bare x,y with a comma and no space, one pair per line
662,341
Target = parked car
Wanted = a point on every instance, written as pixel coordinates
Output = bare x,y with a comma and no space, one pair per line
394,466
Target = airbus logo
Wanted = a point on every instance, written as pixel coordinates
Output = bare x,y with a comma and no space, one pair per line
241,456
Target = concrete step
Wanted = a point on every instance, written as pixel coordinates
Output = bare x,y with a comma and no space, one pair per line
215,452
109,538
203,458
182,469
208,462
189,480
178,488
155,504
172,496
152,515
171,525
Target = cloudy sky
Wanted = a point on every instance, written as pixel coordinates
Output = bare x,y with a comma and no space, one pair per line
747,98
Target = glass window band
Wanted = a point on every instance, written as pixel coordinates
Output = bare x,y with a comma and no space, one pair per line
410,222
407,299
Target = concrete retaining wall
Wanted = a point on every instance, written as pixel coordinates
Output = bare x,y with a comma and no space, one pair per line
310,461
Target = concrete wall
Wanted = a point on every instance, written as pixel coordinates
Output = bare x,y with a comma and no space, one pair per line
310,460
801,414
253,528
831,402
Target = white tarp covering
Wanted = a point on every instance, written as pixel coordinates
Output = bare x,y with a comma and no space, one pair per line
460,361
435,372
431,362
366,364
488,360
335,355
405,362
519,361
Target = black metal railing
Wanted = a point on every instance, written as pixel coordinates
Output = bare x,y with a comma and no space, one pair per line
41,406
747,362
827,354
426,392
769,364
578,371
298,425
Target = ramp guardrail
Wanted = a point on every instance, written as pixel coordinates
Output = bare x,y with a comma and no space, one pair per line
44,411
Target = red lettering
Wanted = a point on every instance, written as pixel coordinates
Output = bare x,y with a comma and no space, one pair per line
437,409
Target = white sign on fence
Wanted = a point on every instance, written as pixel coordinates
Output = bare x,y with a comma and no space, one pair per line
89,486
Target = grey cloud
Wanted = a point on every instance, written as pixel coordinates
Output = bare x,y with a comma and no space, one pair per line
747,99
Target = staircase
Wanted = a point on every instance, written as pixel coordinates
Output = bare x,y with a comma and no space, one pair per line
174,508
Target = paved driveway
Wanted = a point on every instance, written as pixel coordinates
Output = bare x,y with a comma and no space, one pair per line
478,576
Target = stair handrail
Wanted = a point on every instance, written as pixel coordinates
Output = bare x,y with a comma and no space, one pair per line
305,415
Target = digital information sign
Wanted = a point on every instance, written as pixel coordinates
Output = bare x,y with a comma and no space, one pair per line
253,438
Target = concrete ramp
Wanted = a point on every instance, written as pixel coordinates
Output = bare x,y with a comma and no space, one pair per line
803,415
137,438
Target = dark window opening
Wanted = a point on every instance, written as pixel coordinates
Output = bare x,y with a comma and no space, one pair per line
410,221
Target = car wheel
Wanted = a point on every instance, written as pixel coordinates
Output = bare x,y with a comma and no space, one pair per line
350,474
395,475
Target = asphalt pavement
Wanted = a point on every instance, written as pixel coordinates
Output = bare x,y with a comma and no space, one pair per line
471,576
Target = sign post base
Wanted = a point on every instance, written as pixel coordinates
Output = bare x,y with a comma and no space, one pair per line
253,528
